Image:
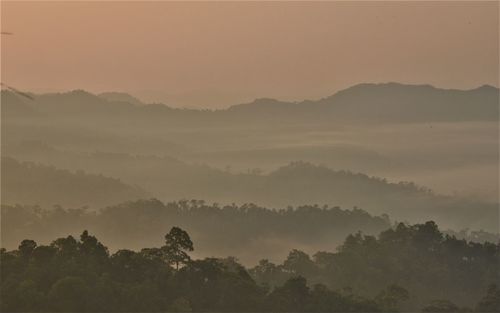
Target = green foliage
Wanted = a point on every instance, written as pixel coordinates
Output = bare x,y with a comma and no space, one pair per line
71,275
415,260
79,275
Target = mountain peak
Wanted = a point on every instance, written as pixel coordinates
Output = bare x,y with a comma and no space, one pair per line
487,88
120,97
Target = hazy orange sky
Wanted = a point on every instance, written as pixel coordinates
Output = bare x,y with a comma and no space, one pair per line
214,54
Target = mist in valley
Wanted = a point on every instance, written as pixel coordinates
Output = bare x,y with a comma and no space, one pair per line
77,149
249,157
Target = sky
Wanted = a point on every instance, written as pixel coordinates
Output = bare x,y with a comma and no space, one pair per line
200,54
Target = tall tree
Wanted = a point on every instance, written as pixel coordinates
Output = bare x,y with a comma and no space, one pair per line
177,244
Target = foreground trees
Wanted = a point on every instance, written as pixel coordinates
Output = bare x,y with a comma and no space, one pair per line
427,263
71,275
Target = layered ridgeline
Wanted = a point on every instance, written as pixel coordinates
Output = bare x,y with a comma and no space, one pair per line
169,179
366,103
446,139
366,274
248,232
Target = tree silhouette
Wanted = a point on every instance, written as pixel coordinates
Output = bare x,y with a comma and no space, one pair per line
78,274
26,247
177,244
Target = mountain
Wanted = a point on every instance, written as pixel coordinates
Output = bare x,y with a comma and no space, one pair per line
120,97
15,105
363,103
384,103
298,183
410,103
35,184
397,131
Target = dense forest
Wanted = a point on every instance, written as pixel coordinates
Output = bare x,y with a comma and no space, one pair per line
430,265
247,231
71,275
280,198
249,156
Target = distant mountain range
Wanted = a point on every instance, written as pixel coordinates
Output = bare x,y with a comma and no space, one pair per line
364,103
390,102
120,97
150,145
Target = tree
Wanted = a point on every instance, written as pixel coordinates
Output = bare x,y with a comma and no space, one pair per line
293,296
325,300
177,243
299,263
26,248
269,274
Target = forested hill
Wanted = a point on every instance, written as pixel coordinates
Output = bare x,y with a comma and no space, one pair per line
427,263
248,231
366,103
36,184
367,274
295,184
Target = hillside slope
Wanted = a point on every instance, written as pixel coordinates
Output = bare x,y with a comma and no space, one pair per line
298,183
35,184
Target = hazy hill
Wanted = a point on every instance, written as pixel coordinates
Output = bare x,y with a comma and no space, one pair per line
120,97
366,103
409,103
297,183
143,145
391,102
13,105
35,184
306,183
249,232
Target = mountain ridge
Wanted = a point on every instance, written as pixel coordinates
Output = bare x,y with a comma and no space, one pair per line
338,98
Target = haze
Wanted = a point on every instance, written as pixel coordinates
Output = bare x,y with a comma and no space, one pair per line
249,157
212,55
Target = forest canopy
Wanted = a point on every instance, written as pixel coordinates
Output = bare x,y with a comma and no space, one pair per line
248,231
81,275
